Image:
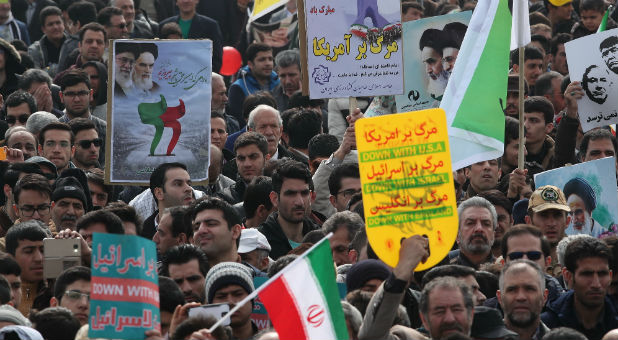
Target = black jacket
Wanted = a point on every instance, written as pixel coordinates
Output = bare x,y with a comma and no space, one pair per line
279,243
19,8
203,27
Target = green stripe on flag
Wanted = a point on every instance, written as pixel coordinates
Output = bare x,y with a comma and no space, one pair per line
321,262
603,25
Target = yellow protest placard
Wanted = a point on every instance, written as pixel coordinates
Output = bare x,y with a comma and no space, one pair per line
262,7
407,182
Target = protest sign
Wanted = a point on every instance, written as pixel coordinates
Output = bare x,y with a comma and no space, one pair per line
591,193
159,108
280,34
429,53
593,60
407,182
353,48
124,293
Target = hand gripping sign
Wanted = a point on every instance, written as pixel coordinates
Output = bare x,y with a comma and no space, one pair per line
407,183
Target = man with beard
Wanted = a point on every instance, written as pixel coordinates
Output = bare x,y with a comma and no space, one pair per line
504,209
447,307
69,203
478,221
609,52
430,45
522,296
87,144
292,195
142,70
586,308
287,66
126,54
596,84
582,200
453,37
187,265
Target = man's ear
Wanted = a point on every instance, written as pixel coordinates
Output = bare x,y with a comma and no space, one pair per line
53,302
7,191
264,263
313,196
158,193
425,322
515,68
236,231
182,238
333,200
467,172
499,297
61,95
567,275
352,256
549,127
528,219
274,199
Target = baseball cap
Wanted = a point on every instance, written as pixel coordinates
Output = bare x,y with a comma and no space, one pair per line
548,197
559,3
251,239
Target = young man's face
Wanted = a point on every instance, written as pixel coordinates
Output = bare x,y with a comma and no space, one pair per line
212,233
79,304
483,175
525,243
294,200
536,127
164,238
511,152
552,223
533,68
559,63
33,205
176,189
14,113
15,283
98,194
349,187
512,104
563,12
29,256
190,280
590,281
53,27
262,65
591,19
599,148
87,157
87,232
250,162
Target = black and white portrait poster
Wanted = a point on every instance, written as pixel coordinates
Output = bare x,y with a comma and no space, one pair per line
593,60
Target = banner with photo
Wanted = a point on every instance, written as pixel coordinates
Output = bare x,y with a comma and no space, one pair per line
591,193
159,108
429,55
279,34
354,48
593,60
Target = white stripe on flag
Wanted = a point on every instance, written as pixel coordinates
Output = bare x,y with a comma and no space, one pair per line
310,301
520,28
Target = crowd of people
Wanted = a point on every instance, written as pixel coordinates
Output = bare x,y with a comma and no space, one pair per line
283,174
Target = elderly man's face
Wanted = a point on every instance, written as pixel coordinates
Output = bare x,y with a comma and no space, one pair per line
24,141
476,231
219,95
522,297
447,313
579,218
143,70
432,61
124,65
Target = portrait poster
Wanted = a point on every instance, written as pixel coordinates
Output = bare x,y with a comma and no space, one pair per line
429,53
354,48
124,294
407,183
593,60
159,108
280,35
590,191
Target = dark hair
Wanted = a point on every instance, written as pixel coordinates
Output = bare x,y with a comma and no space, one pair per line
359,241
322,145
180,222
286,116
302,127
595,134
291,169
611,241
105,15
256,194
249,138
256,99
81,124
182,254
313,236
194,324
69,276
431,38
298,101
74,77
215,114
583,248
342,171
169,29
544,84
5,291
530,52
47,12
511,130
281,262
92,26
33,182
542,105
32,76
32,230
559,39
158,179
97,176
113,224
148,47
592,5
453,270
215,203
55,126
564,333
255,48
8,266
55,323
406,5
447,282
82,11
538,18
524,229
19,97
125,212
541,39
498,199
101,96
608,42
170,295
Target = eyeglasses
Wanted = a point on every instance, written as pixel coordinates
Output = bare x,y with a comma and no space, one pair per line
75,94
349,192
28,210
531,255
23,118
121,26
76,295
85,144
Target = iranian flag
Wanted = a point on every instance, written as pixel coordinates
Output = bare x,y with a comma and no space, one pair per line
303,300
477,88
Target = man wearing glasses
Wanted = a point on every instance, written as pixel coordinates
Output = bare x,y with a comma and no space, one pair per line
72,291
111,18
32,196
87,144
19,106
56,144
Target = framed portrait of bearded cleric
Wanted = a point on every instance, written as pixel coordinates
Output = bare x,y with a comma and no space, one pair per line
158,108
429,55
593,60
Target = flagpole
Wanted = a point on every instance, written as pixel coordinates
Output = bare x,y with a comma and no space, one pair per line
522,135
258,290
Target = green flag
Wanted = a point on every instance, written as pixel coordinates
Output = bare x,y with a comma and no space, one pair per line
478,85
603,25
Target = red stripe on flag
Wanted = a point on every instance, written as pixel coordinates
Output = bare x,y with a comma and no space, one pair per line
283,311
129,290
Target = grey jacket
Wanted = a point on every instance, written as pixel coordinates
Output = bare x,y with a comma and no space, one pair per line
38,53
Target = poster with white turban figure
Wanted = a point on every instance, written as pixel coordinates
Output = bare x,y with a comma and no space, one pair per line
590,191
158,108
593,60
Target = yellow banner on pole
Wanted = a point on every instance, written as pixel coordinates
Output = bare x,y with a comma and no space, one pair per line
407,182
262,7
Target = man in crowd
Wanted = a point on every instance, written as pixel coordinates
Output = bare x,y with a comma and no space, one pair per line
446,306
56,144
477,223
21,139
533,65
548,86
11,271
92,38
254,250
32,196
72,291
78,15
219,100
69,203
187,265
46,51
112,19
482,176
251,150
19,106
287,64
344,225
138,29
266,121
173,229
87,144
558,54
343,183
539,121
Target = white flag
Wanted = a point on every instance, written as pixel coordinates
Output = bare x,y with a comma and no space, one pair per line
520,29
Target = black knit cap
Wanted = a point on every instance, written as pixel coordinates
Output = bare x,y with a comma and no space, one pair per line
365,270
